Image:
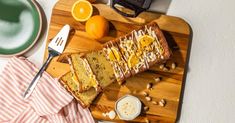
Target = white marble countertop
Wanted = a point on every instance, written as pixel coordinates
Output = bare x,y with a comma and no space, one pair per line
209,95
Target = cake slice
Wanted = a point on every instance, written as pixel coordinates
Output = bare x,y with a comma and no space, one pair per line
101,67
114,56
120,60
82,73
84,98
132,54
152,43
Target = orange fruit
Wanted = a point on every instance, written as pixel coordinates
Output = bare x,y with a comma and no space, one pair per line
97,27
82,10
92,1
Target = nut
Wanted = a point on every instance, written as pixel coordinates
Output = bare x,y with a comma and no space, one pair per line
162,102
147,121
154,102
158,79
148,98
146,108
104,114
161,66
165,69
145,93
173,65
149,86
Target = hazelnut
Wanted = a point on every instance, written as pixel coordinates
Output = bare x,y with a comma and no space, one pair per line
161,66
173,65
158,79
149,86
147,121
154,102
165,69
145,93
146,108
162,102
148,98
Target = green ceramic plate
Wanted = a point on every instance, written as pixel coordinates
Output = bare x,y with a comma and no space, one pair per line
20,26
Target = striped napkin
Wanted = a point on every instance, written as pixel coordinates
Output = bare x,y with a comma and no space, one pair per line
49,102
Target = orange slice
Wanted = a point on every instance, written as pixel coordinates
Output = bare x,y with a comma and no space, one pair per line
82,10
114,55
145,40
132,61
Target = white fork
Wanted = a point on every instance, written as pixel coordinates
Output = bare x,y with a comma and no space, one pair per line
55,48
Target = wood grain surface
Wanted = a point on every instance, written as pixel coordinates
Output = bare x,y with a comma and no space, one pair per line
177,33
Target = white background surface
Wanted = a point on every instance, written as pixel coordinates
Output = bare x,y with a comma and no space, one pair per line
209,95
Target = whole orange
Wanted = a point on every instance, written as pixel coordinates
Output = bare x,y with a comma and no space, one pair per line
97,27
92,1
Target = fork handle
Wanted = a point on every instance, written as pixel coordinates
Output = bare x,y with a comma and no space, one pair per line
34,82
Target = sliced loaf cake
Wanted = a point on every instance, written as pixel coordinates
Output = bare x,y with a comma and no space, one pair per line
117,61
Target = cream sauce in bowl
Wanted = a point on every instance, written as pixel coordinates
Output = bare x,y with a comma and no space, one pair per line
128,107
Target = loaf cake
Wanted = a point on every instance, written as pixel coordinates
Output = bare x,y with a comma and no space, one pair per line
82,73
84,98
101,68
118,60
143,48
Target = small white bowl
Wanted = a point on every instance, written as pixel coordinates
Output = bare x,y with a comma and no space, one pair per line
131,102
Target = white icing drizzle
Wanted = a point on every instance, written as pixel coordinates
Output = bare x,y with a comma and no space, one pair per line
117,70
130,46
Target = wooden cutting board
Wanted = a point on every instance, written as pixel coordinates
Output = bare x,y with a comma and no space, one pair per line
177,33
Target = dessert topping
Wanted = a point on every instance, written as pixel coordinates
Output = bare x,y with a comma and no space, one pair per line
133,60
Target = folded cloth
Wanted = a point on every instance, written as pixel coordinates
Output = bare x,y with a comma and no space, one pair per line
49,102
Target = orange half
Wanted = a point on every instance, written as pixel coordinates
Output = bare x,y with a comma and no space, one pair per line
82,10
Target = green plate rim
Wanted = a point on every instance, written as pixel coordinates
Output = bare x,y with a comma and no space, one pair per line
35,6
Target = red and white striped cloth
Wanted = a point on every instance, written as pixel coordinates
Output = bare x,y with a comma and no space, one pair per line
49,102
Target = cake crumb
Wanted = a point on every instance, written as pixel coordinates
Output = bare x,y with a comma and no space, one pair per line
173,65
